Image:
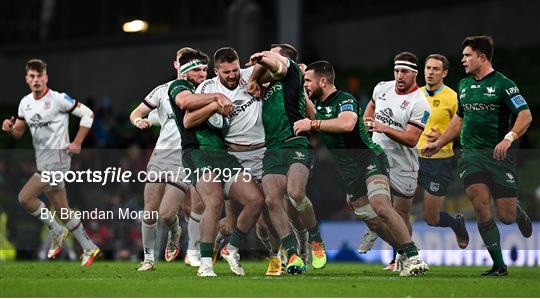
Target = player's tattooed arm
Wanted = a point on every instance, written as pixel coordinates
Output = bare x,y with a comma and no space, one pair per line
14,127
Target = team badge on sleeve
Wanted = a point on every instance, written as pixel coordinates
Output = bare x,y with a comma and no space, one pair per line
518,101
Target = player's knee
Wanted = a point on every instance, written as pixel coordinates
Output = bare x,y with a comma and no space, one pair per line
296,195
381,208
272,202
168,216
214,207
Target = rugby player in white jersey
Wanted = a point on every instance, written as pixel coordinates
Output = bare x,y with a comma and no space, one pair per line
215,172
167,190
397,115
47,114
244,136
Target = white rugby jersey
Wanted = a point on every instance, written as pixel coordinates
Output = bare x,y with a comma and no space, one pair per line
245,127
168,146
397,111
48,120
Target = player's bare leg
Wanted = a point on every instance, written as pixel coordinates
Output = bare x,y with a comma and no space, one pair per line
248,195
173,197
378,188
212,196
509,211
403,207
29,201
275,186
298,227
297,178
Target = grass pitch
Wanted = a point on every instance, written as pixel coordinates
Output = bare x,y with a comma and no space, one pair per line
120,279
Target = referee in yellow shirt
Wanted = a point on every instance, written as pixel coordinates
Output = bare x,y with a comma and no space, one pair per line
436,172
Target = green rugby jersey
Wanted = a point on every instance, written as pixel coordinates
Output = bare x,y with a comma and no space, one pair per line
283,105
202,136
358,138
487,106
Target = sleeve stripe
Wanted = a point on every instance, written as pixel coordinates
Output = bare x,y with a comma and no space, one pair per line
73,107
419,126
148,104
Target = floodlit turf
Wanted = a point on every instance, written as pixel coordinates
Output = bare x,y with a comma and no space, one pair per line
120,279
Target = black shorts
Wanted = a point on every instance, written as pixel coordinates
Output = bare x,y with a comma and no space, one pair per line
434,175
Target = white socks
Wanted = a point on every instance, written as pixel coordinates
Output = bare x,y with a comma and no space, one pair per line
149,234
193,231
75,226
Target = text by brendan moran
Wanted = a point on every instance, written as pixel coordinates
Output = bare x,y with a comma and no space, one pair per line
95,214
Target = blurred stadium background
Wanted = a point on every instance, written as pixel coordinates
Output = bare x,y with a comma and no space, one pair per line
94,60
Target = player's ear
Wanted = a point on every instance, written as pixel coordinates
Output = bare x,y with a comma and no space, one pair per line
444,73
215,71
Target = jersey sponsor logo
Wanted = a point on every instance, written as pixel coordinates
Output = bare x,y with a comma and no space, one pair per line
346,107
237,109
436,103
425,117
386,117
518,101
28,107
275,88
479,107
382,97
206,85
35,122
475,86
404,105
512,90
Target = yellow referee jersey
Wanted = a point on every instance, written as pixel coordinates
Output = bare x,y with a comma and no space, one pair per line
443,103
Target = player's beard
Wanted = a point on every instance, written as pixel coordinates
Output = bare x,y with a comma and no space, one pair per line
316,93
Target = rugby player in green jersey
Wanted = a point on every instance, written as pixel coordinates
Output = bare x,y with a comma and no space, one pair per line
362,163
287,160
211,169
487,102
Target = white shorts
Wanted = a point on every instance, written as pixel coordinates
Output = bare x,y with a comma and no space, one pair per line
252,161
403,182
62,167
173,174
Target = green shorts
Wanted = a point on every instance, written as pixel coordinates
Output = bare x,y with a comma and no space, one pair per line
279,158
198,162
480,167
355,166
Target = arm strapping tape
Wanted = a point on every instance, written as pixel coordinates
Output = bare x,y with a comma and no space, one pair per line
85,114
